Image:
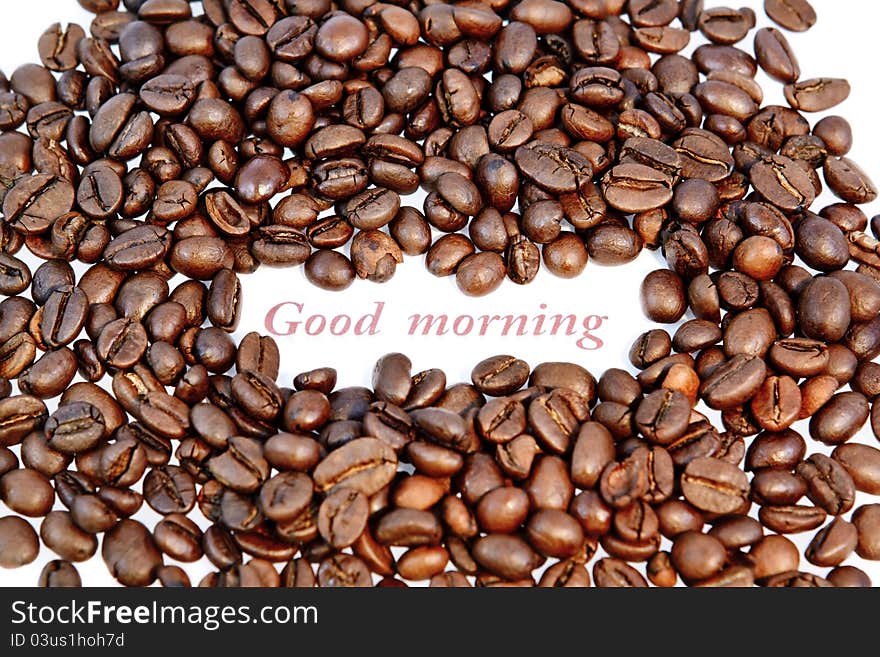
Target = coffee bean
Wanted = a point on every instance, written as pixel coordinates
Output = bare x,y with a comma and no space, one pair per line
75,427
715,486
794,15
865,519
59,574
168,489
343,516
614,573
833,544
734,382
553,168
849,577
131,554
480,274
861,462
34,202
19,542
663,297
122,343
817,95
848,181
15,276
506,555
774,555
663,416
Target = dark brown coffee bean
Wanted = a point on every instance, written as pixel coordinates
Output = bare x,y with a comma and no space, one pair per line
553,168
35,202
867,522
75,427
733,383
834,543
799,356
777,404
840,419
178,537
697,556
343,516
242,466
817,94
59,574
480,274
506,556
131,554
285,496
862,462
169,489
122,343
365,464
663,297
663,416
715,486
829,485
775,56
848,181
15,276
794,15
614,573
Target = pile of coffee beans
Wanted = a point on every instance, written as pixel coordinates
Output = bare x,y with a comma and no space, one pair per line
485,482
289,133
542,131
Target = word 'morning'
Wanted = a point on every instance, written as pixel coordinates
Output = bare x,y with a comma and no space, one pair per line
512,325
290,319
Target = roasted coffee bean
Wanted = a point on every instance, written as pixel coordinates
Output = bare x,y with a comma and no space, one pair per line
27,492
169,489
663,297
867,522
775,56
480,274
794,15
19,542
179,538
777,404
35,202
66,539
15,276
834,543
122,343
285,496
242,466
553,168
59,574
365,464
663,416
848,181
774,555
505,555
840,419
614,573
829,485
343,517
131,554
75,427
734,382
862,463
714,486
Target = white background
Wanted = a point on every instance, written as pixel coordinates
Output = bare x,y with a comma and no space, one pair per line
842,43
